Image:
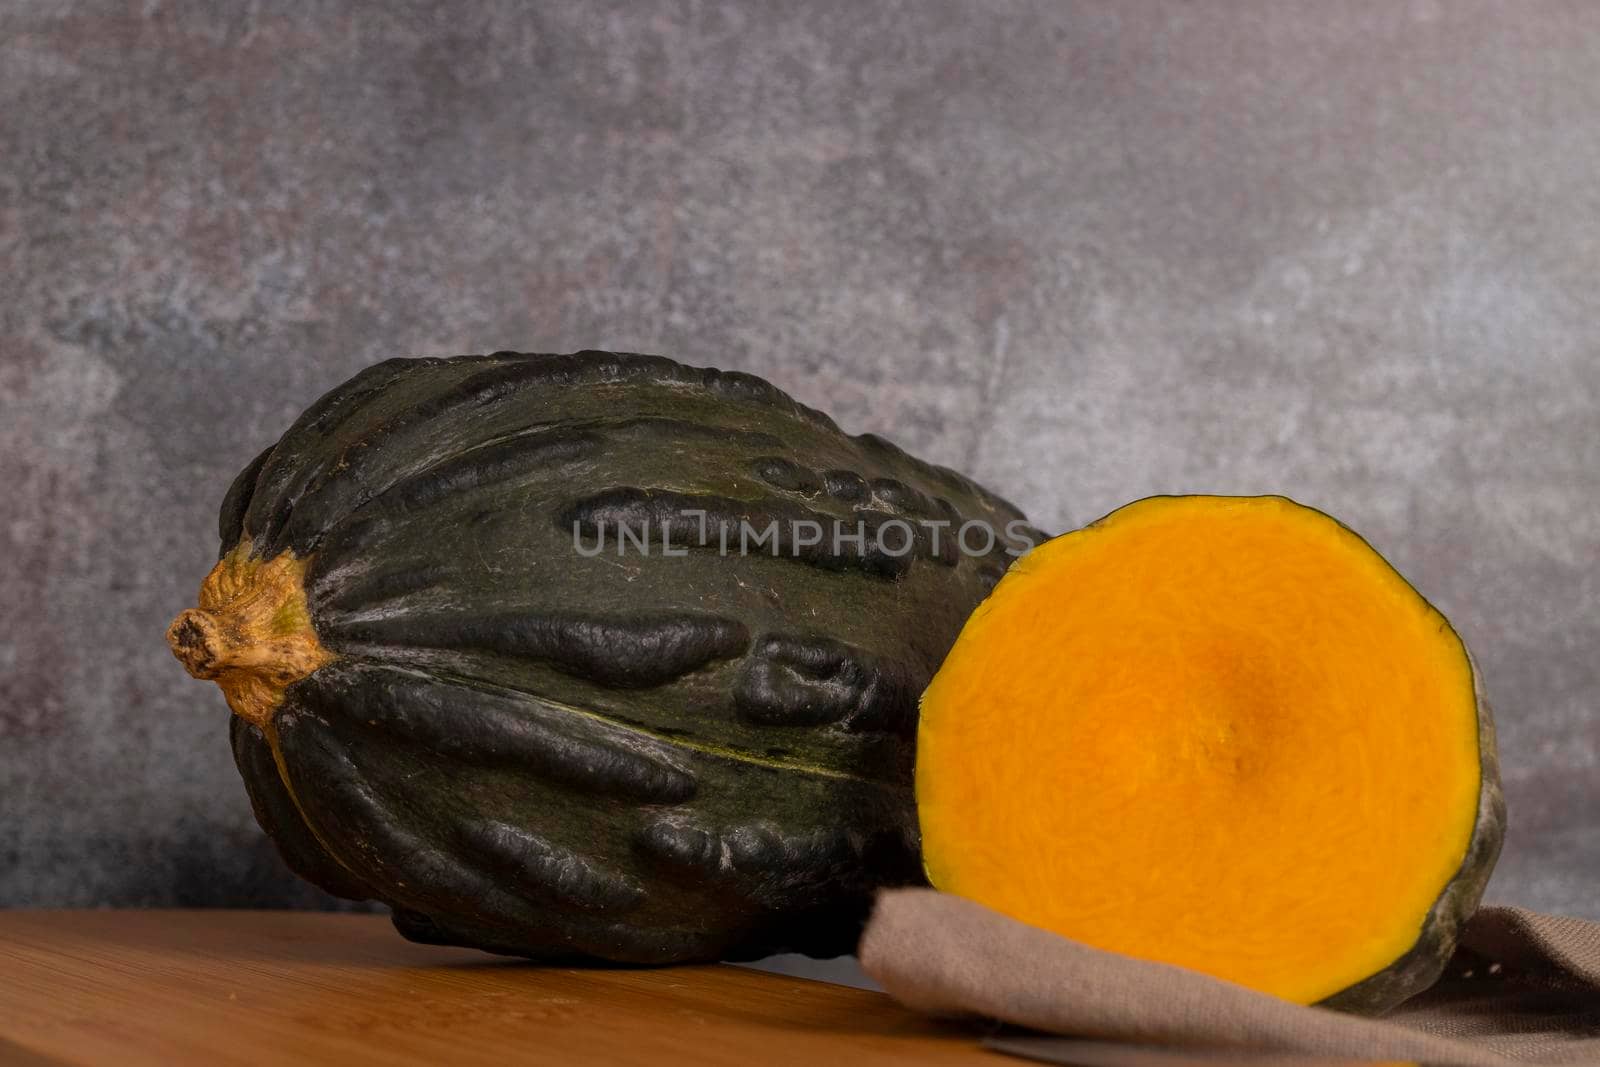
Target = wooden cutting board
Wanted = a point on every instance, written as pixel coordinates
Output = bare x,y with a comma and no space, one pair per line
259,987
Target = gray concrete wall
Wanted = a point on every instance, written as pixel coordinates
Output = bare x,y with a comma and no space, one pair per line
1086,252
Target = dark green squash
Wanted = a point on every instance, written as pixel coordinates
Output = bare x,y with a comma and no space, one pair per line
648,757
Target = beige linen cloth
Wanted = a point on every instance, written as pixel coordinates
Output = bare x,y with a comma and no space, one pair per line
1521,988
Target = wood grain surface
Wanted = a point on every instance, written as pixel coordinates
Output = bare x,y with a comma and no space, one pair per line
255,987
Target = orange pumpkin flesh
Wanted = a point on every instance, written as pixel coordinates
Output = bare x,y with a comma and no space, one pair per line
1216,732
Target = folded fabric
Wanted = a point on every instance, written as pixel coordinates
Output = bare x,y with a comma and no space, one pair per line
1521,988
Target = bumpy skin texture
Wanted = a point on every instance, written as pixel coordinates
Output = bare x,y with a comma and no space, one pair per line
639,758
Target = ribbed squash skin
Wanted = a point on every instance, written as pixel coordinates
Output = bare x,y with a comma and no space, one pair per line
640,758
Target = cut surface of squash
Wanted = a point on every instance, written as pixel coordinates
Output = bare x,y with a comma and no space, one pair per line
1217,732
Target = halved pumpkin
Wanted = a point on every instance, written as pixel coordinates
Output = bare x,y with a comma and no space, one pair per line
1223,733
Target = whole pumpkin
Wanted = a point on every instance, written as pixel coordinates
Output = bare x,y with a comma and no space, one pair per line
592,655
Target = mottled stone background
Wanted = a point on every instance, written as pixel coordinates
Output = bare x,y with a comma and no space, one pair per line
1086,252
